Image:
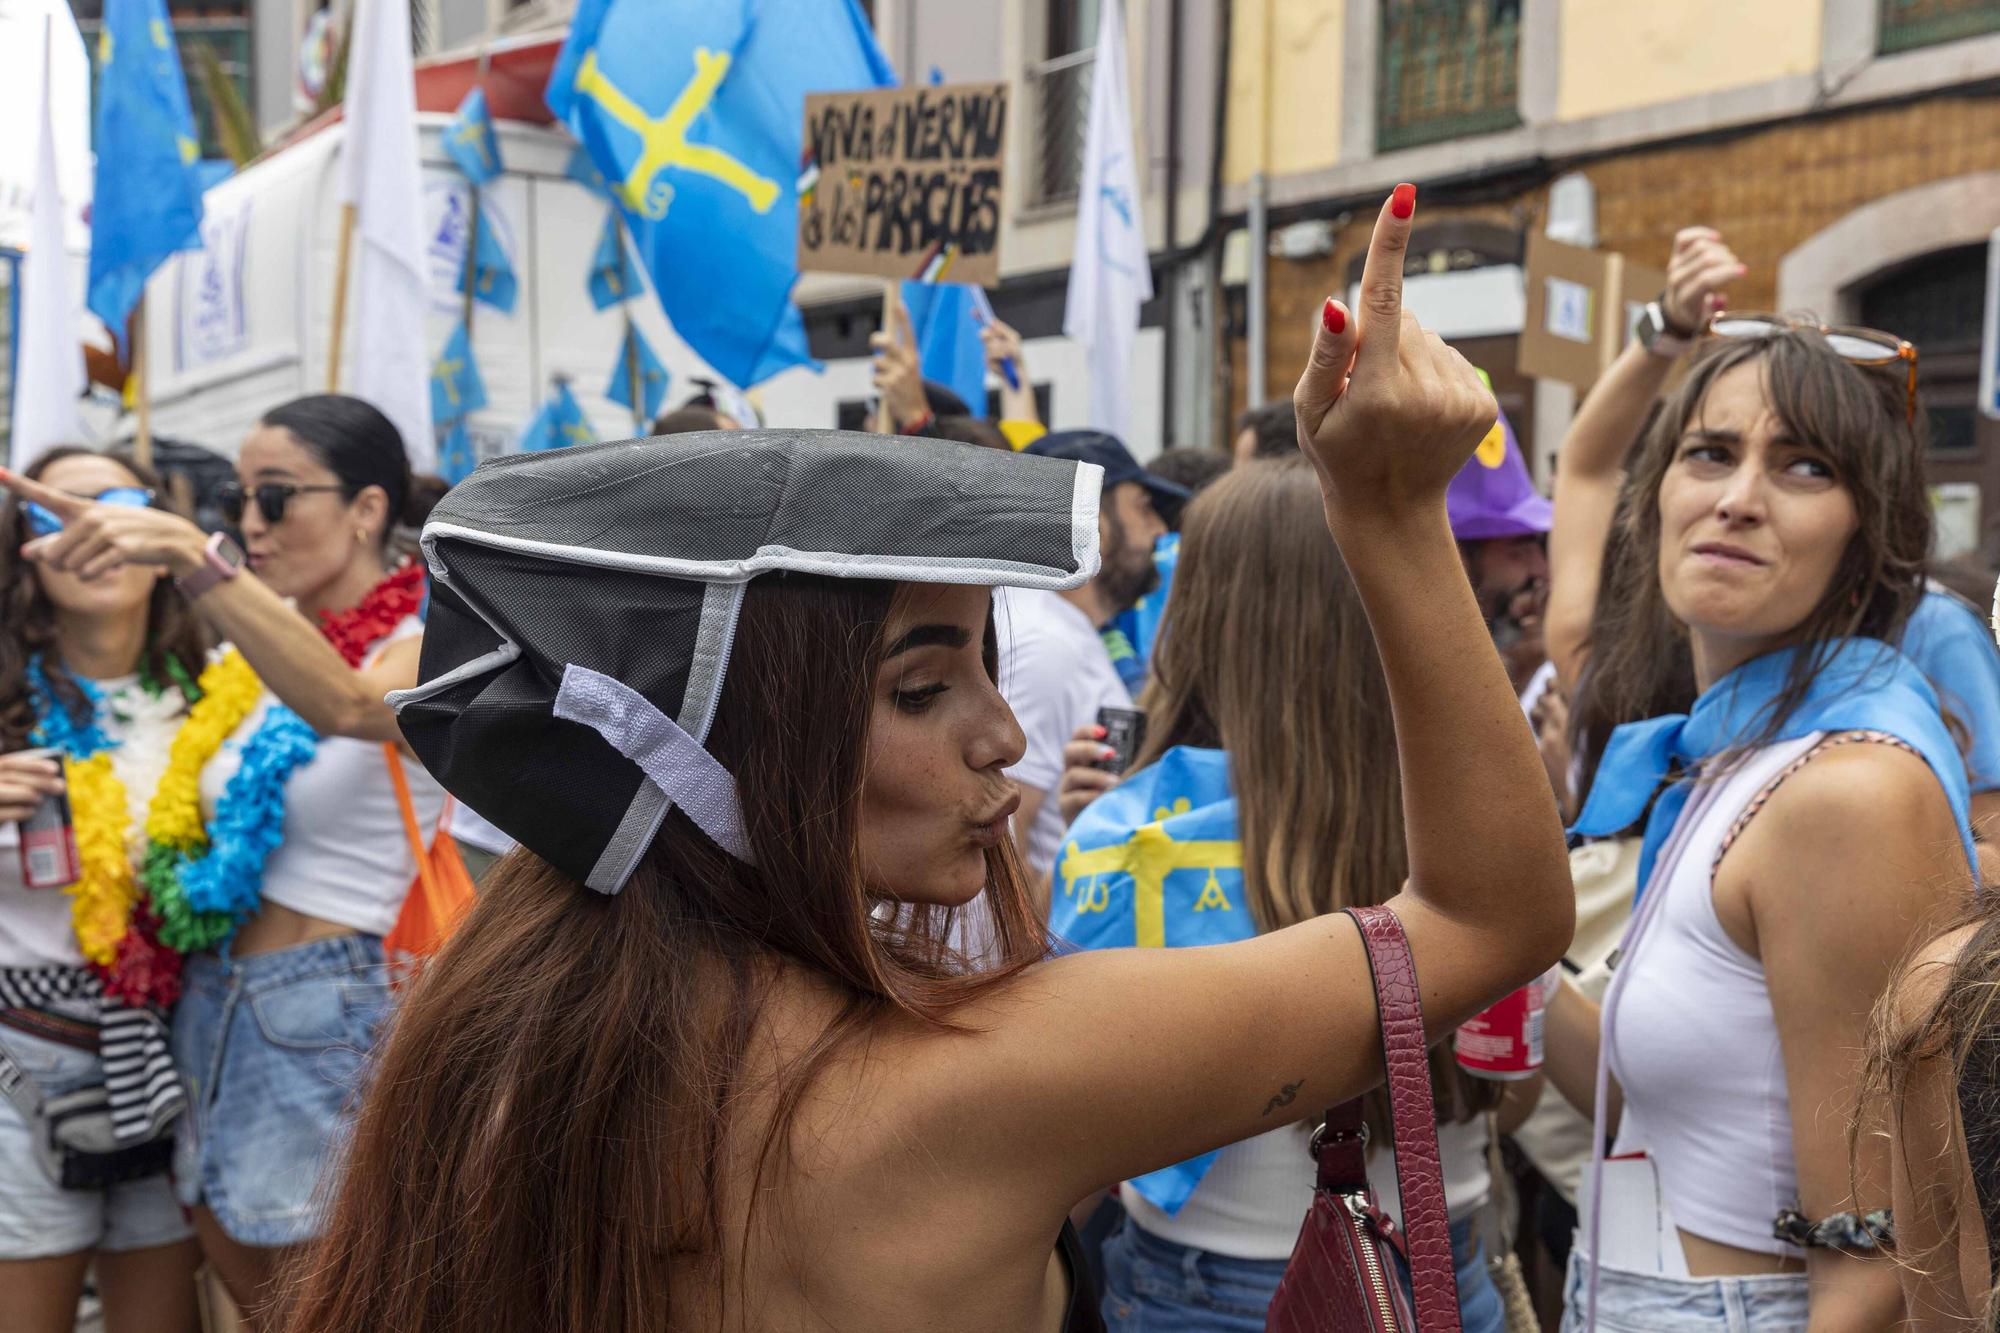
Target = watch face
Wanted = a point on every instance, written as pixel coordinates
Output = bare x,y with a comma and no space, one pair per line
227,552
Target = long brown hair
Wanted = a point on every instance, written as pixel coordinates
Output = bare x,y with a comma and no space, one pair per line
1857,418
544,1143
1265,652
176,640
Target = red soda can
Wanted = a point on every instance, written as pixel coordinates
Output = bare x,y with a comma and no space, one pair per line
48,838
1505,1041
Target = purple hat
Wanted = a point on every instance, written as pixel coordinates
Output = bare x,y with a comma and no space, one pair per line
1492,496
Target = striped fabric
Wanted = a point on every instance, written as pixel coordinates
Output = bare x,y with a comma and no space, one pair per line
140,1082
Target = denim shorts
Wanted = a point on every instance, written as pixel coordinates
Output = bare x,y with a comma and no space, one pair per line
1156,1286
39,1218
1646,1303
272,1049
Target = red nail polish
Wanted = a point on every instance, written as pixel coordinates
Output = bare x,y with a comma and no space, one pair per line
1109,753
1099,733
1333,317
1404,201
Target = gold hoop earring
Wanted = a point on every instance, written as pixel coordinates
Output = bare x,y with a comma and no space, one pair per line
361,536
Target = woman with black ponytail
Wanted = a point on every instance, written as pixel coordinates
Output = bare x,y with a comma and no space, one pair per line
279,882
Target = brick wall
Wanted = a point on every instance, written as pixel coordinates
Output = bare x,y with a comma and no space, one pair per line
1767,190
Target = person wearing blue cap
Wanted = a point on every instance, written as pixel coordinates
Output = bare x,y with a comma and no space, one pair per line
1054,670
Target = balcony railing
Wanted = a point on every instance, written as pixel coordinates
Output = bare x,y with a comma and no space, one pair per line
1059,93
1907,24
1449,68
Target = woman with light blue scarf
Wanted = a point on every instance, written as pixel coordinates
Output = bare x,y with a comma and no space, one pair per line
1800,824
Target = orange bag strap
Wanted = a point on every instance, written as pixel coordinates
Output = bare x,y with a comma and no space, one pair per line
410,829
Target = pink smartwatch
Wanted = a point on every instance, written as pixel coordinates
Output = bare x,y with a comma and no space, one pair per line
223,560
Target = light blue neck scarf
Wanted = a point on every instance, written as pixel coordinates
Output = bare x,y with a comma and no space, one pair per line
1863,685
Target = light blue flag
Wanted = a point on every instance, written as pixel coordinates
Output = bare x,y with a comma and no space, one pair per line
1157,862
489,269
146,200
471,142
612,277
456,386
585,173
945,318
696,113
560,422
652,375
456,456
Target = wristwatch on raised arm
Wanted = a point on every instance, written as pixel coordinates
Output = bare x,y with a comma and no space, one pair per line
1658,335
222,560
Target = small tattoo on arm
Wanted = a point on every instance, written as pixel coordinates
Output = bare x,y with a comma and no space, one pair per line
1284,1096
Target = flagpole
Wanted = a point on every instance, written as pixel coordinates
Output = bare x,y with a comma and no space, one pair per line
632,375
343,256
142,395
892,301
469,267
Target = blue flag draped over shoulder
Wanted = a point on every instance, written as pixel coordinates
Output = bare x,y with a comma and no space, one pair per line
147,188
695,114
470,140
1858,685
1157,862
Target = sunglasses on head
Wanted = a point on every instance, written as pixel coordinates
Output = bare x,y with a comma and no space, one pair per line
46,522
271,498
1862,347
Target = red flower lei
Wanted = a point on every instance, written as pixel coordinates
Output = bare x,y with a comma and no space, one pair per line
388,604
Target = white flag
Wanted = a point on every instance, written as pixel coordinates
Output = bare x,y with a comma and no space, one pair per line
381,177
1111,276
48,374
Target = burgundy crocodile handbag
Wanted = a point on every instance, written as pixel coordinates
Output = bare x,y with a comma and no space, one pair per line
1340,1278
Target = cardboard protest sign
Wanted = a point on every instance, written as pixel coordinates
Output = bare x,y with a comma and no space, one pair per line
1582,306
904,182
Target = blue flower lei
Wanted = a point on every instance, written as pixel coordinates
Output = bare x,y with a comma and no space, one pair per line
54,727
249,820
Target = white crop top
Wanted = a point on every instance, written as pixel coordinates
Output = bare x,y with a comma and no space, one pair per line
1692,1039
345,857
1251,1202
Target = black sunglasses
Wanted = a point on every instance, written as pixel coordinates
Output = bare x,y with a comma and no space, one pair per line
271,498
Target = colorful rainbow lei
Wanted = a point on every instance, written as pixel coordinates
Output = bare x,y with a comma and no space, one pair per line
195,884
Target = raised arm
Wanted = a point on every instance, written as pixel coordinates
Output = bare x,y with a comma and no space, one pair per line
1590,465
282,646
1117,1062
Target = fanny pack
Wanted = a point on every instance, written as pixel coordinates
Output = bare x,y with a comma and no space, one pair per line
74,1139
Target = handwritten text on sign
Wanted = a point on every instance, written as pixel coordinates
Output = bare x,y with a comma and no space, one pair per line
904,182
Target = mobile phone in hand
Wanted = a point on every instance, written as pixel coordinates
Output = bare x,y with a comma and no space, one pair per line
1124,732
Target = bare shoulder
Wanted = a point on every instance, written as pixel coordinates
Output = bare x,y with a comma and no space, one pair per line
1859,795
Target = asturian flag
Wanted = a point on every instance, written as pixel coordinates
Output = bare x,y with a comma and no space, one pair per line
147,191
470,140
1157,863
696,115
560,422
652,375
612,277
488,269
1111,276
456,385
457,457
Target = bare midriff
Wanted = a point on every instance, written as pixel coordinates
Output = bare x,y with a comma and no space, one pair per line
278,927
1709,1258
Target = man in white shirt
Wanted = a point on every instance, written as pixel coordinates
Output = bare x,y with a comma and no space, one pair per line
1054,671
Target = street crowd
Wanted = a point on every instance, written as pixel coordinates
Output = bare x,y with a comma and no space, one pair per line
756,877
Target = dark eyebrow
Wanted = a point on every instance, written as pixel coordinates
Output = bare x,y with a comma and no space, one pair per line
1716,436
927,636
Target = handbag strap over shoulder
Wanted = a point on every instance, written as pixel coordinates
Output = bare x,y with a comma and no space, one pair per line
1413,1118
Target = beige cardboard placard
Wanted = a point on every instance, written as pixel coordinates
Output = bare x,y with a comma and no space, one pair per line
904,182
1568,291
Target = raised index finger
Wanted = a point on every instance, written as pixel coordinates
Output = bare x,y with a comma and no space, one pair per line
1381,313
60,503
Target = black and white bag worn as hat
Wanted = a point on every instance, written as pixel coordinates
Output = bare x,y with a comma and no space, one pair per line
583,603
